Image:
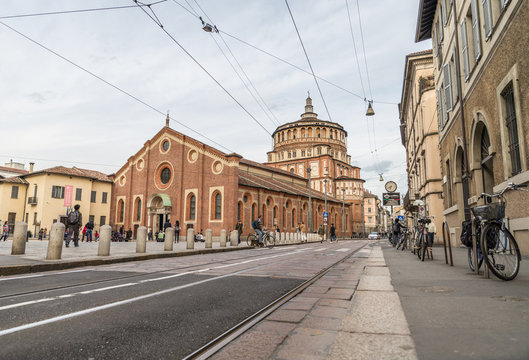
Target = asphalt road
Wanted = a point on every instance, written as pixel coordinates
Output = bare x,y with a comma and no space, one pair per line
159,309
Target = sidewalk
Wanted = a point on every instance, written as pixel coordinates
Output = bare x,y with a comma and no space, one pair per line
383,304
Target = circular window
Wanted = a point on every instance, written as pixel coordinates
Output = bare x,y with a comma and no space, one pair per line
192,156
245,198
216,167
165,175
292,170
122,180
165,145
140,164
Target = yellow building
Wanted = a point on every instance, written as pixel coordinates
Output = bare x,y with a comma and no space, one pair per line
42,198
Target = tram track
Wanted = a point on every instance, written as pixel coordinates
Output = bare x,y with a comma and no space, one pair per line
118,278
230,335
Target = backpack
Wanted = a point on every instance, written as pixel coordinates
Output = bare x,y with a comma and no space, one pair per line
466,233
73,218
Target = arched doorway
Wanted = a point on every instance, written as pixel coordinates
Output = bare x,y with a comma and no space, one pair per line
159,207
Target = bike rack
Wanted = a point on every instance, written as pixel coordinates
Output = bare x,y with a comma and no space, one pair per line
446,238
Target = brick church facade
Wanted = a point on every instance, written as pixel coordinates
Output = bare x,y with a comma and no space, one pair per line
176,177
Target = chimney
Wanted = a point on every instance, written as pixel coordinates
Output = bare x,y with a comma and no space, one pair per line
31,164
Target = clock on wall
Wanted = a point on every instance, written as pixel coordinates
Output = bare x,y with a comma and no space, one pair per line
391,186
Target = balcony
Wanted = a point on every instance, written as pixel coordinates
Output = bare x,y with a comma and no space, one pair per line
32,200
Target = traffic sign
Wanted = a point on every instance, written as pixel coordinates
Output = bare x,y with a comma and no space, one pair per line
325,214
391,199
400,217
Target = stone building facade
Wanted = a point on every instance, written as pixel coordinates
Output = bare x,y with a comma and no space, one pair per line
420,137
175,177
321,146
482,84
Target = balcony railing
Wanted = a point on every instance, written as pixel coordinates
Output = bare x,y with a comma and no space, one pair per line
32,200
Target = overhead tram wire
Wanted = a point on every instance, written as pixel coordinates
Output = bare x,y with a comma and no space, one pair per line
57,160
354,47
157,22
307,57
283,60
75,11
114,86
276,121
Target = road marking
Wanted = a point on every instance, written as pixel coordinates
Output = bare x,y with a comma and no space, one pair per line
63,296
11,306
114,304
46,274
343,249
320,249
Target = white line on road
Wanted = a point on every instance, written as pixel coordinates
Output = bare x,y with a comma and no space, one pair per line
343,249
46,274
114,304
320,249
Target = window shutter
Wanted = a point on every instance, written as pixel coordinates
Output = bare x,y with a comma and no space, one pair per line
440,29
445,12
475,29
487,18
464,41
440,111
456,77
447,80
434,37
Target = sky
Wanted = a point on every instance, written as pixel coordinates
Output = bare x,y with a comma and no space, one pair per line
54,113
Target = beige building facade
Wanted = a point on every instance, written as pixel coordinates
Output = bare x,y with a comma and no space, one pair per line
420,137
43,197
482,87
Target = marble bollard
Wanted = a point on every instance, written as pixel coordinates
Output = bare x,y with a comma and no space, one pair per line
54,251
18,247
234,238
168,241
190,239
209,238
223,238
141,240
103,248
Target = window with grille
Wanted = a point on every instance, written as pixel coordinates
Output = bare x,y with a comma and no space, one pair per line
512,129
14,192
93,197
104,198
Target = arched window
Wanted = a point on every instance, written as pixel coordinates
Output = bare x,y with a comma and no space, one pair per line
254,211
275,214
293,220
121,210
217,210
487,173
191,206
264,215
239,209
137,209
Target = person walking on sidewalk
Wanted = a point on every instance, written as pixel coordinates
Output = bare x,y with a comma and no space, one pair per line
89,228
177,231
432,230
332,233
74,221
303,234
5,231
238,227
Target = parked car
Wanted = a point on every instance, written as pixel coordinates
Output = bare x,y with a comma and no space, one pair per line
374,236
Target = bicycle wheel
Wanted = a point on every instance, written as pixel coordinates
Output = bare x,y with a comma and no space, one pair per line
270,241
471,258
419,246
500,251
424,247
250,240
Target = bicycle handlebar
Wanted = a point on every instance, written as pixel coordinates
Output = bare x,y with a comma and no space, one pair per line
510,186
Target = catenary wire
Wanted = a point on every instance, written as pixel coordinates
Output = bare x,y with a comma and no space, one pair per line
202,67
308,60
354,47
56,160
75,11
274,122
113,86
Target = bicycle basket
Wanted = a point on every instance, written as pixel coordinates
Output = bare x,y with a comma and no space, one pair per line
489,212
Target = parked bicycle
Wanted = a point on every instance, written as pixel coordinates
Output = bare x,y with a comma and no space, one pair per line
421,241
403,240
269,240
497,246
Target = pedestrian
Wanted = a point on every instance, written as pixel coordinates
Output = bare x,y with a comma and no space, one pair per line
89,228
302,230
332,233
160,236
121,230
128,235
74,221
5,231
41,233
96,235
150,236
432,230
84,233
257,226
321,232
238,227
44,233
177,231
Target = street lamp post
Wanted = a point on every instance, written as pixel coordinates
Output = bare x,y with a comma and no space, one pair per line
310,201
343,213
325,222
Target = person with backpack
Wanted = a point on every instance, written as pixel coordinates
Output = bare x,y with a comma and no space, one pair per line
74,221
332,233
256,225
397,226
